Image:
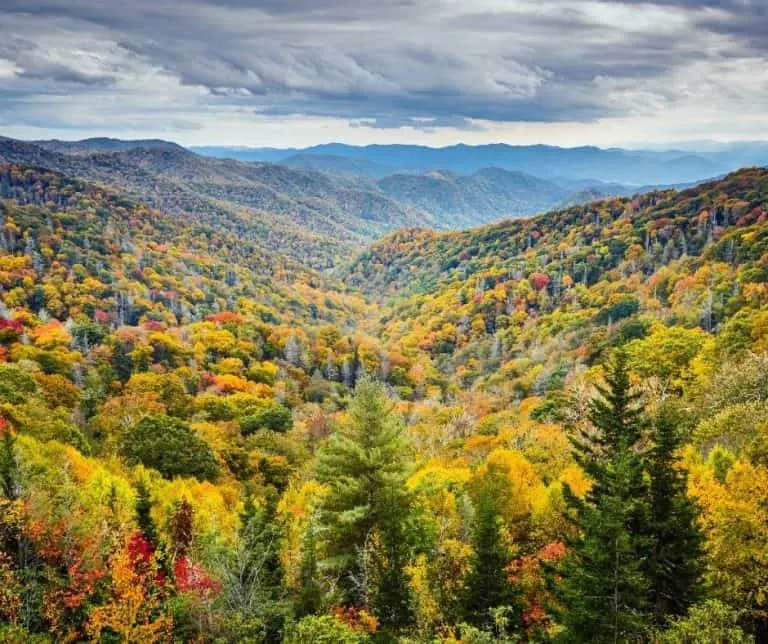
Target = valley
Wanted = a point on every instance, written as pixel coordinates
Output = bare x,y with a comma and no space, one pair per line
246,401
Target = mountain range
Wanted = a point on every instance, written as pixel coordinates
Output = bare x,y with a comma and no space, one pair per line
632,167
298,209
322,206
304,215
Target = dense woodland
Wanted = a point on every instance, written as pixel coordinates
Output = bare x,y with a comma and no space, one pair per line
549,429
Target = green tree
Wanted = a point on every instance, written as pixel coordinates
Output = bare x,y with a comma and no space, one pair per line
705,623
16,385
143,509
322,630
252,573
675,564
9,468
364,518
310,596
273,417
488,586
171,447
603,590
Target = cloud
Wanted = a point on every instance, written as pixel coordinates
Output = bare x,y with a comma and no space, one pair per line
425,65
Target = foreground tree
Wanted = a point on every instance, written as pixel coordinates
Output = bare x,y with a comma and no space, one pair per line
252,597
488,583
364,518
603,591
675,563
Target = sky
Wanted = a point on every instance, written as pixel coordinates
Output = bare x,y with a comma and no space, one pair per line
292,73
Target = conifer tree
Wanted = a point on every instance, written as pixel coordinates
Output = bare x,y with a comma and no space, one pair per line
252,593
364,518
602,589
261,542
143,510
488,585
675,564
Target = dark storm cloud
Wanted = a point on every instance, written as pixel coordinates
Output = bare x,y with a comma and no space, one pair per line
422,63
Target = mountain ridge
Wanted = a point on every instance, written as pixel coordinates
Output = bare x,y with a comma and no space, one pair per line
635,167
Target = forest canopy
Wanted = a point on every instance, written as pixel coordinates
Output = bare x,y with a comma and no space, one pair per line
547,429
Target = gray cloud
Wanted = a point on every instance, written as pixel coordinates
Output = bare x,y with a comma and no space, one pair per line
425,64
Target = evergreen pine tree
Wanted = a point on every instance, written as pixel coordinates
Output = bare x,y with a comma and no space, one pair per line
602,589
675,565
488,585
143,509
364,518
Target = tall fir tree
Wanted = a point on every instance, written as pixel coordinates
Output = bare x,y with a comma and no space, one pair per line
364,519
143,509
488,585
675,564
602,590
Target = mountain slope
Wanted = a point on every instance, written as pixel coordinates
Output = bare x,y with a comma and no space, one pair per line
488,195
305,215
337,165
82,242
104,144
573,278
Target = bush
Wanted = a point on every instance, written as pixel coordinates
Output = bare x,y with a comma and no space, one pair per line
171,447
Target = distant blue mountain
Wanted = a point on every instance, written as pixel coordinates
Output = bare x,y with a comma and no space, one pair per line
336,164
631,167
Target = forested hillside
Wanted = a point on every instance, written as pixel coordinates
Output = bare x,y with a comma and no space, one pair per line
486,196
549,429
319,209
307,216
